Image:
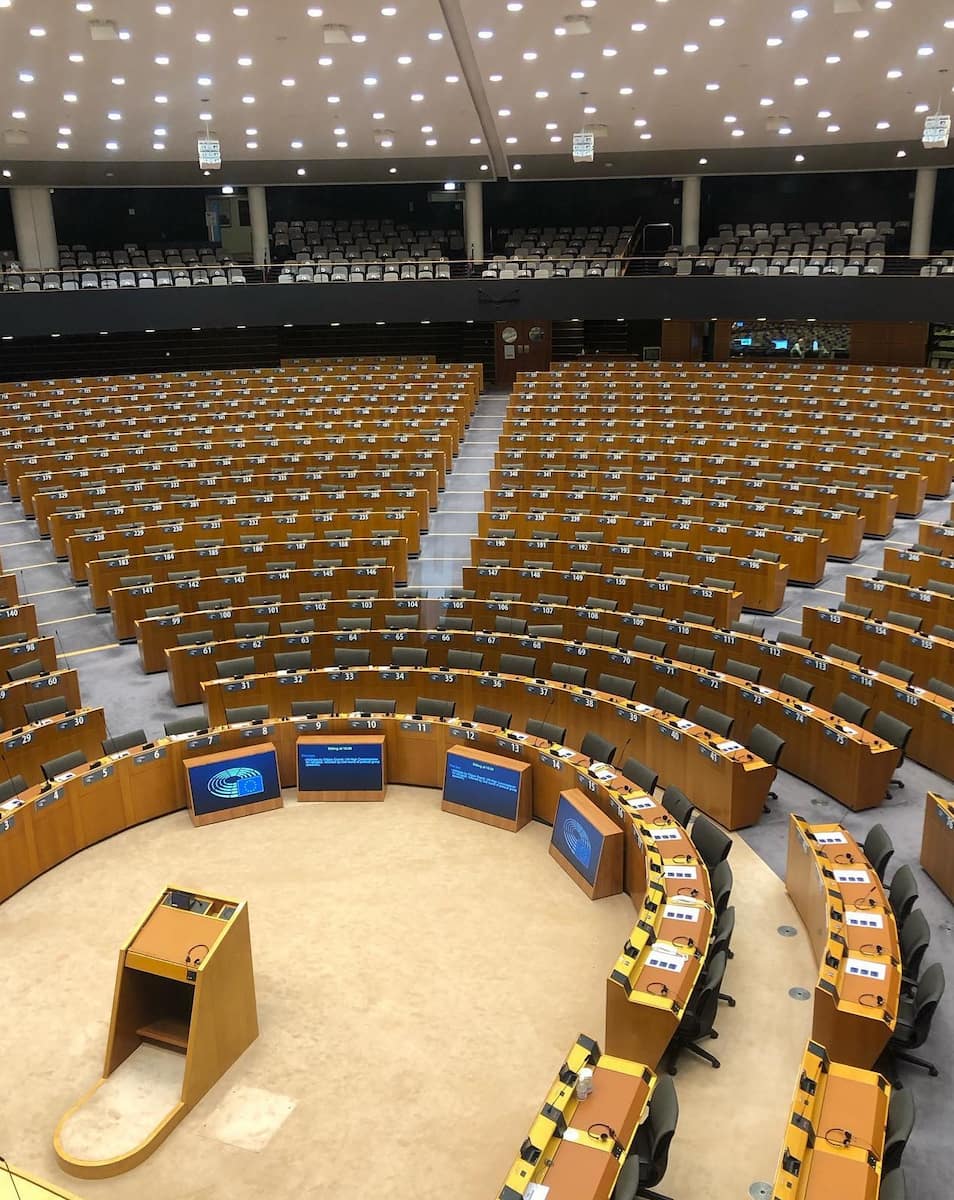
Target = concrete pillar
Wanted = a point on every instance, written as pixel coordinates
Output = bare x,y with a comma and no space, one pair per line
922,218
474,220
35,230
258,215
691,204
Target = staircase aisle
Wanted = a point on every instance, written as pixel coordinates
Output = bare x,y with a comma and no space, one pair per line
445,548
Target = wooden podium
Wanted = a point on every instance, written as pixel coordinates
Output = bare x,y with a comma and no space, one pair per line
588,845
488,788
233,783
337,763
184,984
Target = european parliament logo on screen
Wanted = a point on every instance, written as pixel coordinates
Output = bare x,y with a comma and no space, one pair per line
234,782
577,841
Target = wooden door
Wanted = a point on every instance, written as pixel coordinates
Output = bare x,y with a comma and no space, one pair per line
521,346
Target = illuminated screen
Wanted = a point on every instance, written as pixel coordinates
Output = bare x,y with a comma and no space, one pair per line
340,767
221,785
576,839
483,786
780,343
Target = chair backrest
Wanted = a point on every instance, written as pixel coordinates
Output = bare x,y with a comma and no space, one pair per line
878,849
720,880
33,666
12,787
791,685
568,673
766,744
400,621
723,931
645,645
930,989
65,762
678,805
230,668
940,688
180,725
409,656
518,664
492,716
352,656
903,893
900,1123
890,729
465,660
317,708
305,625
712,843
250,629
704,1002
597,748
658,1130
615,685
794,639
542,729
915,938
434,708
39,710
510,625
850,708
124,741
904,620
293,660
742,670
250,712
638,773
894,671
843,653
374,707
712,719
670,702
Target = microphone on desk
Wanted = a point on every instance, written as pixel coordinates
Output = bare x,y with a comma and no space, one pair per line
12,1177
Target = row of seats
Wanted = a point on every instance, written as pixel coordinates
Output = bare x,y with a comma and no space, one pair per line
771,263
371,240
110,280
544,267
326,272
132,255
800,229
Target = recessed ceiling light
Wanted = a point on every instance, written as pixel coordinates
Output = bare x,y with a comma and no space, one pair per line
118,81
248,99
824,114
161,60
434,36
503,112
518,166
925,51
587,3
370,81
712,87
227,190
902,154
37,31
559,31
833,128
389,11
325,61
730,119
18,114
359,38
251,145
640,122
340,131
638,27
577,74
342,145
392,170
205,116
377,116
894,73
162,10
541,95
484,167
551,125
158,145
738,133
427,129
717,22
949,24
799,158
288,83
773,41
114,116
244,61
112,145
921,108
315,12
404,60
334,99
861,33
485,34
63,131
430,142
625,91
83,6
70,97
555,138
883,4
690,47
301,171
495,78
609,52
76,58
248,132
514,6
161,131
660,70
799,14
766,102
239,12
158,99
62,145
203,37
296,145
417,97
452,79
645,137
202,81
7,174
703,161
800,81
25,76
589,109
475,141
833,59
883,125
511,141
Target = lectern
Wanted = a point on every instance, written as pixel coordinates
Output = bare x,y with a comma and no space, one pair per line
183,1012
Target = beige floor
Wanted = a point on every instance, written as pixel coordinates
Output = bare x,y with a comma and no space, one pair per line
420,978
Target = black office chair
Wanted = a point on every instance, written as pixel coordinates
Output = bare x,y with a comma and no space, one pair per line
890,729
597,636
696,655
33,666
752,628
124,741
843,653
893,671
893,1186
408,656
554,734
915,1015
645,645
492,716
878,849
742,670
849,708
768,746
597,748
670,702
250,629
800,689
712,842
464,660
644,777
615,685
400,621
510,625
434,708
694,618
940,688
722,941
313,708
914,938
195,637
249,712
713,720
568,673
903,893
678,805
182,725
856,610
39,710
720,881
518,664
648,1158
235,668
353,624
373,708
66,762
303,625
12,787
796,640
699,1016
545,631
293,660
352,656
903,620
599,602
898,1128
894,577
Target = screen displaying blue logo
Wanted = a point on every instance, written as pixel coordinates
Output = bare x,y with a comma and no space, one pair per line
221,785
576,839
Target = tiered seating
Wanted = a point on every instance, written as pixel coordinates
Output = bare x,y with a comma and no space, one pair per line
560,252
81,269
360,251
796,248
940,264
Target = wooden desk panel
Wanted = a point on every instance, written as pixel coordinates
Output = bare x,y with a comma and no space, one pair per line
13,696
937,842
877,641
934,608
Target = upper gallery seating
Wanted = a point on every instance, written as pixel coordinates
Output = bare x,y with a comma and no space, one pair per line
369,249
796,248
84,270
560,252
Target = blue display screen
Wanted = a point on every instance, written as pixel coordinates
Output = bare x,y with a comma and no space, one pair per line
576,839
223,784
482,786
340,767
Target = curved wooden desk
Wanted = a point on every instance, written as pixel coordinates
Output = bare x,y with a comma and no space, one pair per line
852,930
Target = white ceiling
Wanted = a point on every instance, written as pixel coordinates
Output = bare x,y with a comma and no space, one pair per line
476,93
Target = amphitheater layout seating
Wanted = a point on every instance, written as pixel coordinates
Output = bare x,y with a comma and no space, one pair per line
82,269
777,248
560,252
361,250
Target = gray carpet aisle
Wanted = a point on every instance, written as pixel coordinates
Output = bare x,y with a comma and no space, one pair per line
110,677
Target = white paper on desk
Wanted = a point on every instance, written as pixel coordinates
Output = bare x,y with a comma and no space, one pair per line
666,833
564,752
605,774
520,737
665,960
852,875
834,838
681,912
865,920
642,802
536,1191
725,747
643,707
11,805
866,968
679,871
682,723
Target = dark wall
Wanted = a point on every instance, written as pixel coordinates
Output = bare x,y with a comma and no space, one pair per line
872,195
105,218
406,202
582,202
8,239
942,237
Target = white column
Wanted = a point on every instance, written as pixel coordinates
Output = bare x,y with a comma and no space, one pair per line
474,219
258,215
922,218
691,204
35,230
